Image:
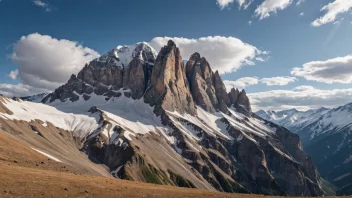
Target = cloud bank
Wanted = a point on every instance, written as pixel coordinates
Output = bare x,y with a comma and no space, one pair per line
303,97
280,80
336,70
240,83
333,9
45,63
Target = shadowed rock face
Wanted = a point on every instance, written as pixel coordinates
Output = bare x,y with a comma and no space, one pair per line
218,144
200,75
169,88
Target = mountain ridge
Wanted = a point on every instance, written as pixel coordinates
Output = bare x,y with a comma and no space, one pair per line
156,108
326,137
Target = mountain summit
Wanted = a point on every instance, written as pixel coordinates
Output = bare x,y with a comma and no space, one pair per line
163,122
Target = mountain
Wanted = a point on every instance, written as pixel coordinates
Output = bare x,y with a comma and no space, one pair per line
292,119
327,138
148,117
34,98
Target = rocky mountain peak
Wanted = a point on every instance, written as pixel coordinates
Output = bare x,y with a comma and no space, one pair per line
243,101
169,87
162,80
171,43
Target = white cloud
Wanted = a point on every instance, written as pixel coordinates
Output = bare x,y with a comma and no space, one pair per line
301,14
299,2
303,97
332,10
226,54
13,74
269,7
42,4
224,3
20,90
244,3
280,80
240,83
249,22
45,63
336,70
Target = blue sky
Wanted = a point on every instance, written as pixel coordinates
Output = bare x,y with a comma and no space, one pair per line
288,33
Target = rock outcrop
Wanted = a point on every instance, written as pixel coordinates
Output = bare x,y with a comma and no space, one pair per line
241,99
200,78
208,89
127,68
169,88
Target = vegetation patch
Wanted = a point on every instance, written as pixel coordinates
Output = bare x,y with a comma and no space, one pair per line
180,181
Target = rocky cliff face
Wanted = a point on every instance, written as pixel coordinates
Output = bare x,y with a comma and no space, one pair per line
127,67
169,89
164,123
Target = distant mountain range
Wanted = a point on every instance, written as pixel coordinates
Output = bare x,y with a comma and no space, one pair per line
326,135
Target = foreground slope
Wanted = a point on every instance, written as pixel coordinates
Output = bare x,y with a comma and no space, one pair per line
20,177
152,119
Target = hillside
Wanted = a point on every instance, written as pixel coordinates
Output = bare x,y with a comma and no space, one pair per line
24,175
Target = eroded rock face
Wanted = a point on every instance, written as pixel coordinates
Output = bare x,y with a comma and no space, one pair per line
169,88
200,75
243,100
127,68
208,89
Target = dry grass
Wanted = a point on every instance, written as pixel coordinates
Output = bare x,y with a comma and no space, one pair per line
23,175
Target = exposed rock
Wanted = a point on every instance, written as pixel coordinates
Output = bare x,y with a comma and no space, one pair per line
200,76
125,67
169,88
243,100
233,95
220,91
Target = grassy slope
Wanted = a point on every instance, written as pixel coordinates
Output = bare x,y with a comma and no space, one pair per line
23,175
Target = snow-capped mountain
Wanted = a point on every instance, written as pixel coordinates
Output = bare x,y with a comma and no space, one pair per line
327,138
292,119
149,118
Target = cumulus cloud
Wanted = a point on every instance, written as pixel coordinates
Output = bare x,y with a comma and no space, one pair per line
240,83
45,62
269,7
303,97
280,80
13,74
42,4
336,70
333,9
224,3
225,54
20,90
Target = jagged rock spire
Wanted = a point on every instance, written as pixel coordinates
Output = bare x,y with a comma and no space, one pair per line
169,87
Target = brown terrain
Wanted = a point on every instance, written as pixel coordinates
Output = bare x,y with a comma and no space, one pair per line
26,173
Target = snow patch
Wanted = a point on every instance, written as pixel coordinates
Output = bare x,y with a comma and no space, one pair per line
47,155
